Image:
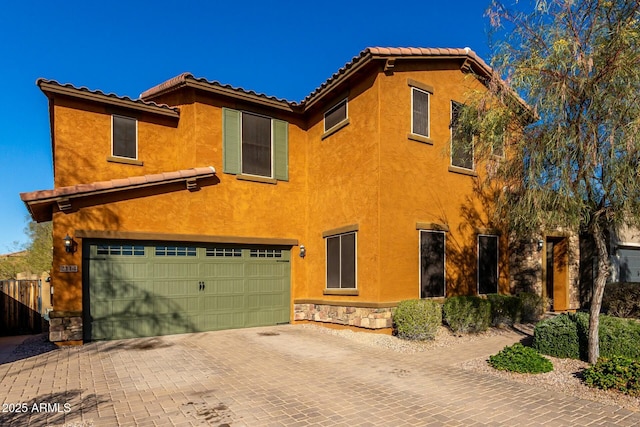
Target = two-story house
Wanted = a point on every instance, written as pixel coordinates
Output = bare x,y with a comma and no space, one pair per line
202,206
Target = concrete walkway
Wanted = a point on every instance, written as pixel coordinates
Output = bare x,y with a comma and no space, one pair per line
285,375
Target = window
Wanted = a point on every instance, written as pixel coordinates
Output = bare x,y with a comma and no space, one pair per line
420,112
432,264
126,250
175,251
265,253
255,145
223,252
461,140
497,149
124,137
487,264
341,261
335,115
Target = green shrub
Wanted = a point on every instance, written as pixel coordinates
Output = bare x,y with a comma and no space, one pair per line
618,373
505,309
519,358
622,300
566,336
467,313
532,306
417,319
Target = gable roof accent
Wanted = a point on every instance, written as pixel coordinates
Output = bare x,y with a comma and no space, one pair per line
188,80
40,203
469,57
470,60
52,87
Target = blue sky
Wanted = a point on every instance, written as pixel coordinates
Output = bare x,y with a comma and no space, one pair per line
281,48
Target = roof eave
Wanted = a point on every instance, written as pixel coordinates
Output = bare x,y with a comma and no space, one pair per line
56,89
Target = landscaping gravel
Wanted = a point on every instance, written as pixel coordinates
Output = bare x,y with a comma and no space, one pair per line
565,377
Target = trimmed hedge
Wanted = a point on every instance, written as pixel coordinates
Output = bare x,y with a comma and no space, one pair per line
519,358
533,306
467,313
417,319
618,373
622,300
566,336
505,309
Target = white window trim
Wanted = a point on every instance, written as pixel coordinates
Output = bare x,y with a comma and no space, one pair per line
428,112
334,107
444,291
128,118
473,148
478,262
242,172
326,260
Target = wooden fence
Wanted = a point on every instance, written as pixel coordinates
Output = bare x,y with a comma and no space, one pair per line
22,308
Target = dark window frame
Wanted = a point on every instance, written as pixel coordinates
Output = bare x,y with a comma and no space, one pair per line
444,262
119,148
333,109
341,271
480,286
413,112
455,106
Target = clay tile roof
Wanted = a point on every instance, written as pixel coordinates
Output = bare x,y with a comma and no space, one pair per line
53,86
39,202
381,52
185,79
368,54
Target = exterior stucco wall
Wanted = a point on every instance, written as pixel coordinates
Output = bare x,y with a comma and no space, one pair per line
417,186
223,205
343,189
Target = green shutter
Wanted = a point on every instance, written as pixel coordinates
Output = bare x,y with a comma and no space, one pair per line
281,149
231,141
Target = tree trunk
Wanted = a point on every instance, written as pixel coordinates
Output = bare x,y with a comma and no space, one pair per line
598,292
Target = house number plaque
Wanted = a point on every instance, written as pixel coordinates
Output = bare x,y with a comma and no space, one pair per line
68,268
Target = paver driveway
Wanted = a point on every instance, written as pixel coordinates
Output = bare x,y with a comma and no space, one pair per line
286,375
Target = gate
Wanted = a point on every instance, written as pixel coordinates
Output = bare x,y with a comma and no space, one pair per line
21,306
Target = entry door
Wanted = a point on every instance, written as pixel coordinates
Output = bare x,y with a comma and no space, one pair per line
557,272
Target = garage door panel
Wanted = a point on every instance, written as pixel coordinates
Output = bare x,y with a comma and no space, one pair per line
233,269
266,270
211,289
226,287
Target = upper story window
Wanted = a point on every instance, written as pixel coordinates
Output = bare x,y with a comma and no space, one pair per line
336,115
124,137
257,152
255,145
497,149
461,139
419,112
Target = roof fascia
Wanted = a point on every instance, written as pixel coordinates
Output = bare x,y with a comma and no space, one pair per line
232,93
50,88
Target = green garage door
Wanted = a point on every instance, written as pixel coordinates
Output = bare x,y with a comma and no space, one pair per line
140,290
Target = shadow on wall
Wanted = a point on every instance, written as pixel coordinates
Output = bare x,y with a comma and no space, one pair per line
116,304
475,213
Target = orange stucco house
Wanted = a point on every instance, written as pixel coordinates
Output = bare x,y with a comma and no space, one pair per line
201,206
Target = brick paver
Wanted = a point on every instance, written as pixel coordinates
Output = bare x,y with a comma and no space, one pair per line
289,376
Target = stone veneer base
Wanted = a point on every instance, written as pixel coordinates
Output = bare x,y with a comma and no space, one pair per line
65,326
361,317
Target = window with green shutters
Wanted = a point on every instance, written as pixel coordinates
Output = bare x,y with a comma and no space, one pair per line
255,145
